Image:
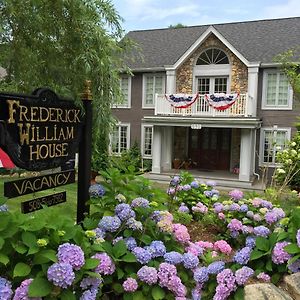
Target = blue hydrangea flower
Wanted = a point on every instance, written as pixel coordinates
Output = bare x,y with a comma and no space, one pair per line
140,202
295,266
242,275
216,267
244,208
175,180
183,208
142,255
96,190
190,261
250,241
261,231
89,294
157,249
194,184
124,211
5,289
201,275
71,254
110,224
3,208
90,282
173,257
242,256
130,243
61,275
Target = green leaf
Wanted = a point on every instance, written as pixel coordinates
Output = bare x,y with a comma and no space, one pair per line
127,233
157,293
239,294
127,296
120,273
29,239
2,241
20,247
146,239
119,249
4,259
45,256
256,254
93,274
21,270
275,278
91,263
33,250
293,259
138,295
117,287
292,249
97,247
282,236
107,247
269,266
40,287
129,257
262,243
67,295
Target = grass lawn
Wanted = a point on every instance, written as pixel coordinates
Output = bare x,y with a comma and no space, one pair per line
66,208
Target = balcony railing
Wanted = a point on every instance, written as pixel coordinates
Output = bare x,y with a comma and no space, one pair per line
201,108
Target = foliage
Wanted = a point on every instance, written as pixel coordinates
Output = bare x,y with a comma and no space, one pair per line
288,174
178,25
60,45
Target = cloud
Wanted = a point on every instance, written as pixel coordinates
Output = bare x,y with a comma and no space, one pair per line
290,8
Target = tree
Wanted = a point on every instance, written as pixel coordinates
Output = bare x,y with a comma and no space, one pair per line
178,25
60,44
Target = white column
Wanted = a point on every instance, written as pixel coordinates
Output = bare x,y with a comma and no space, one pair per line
246,154
167,146
171,81
156,153
252,89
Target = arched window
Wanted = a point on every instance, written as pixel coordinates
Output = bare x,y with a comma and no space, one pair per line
213,57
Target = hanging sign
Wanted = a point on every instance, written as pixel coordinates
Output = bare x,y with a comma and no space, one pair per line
221,101
35,184
38,203
40,131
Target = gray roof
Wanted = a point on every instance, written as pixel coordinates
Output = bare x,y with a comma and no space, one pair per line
257,41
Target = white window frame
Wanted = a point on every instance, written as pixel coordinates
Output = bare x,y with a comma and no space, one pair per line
152,106
275,129
128,104
264,105
119,133
143,141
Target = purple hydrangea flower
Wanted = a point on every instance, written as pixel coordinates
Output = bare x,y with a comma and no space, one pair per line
244,208
250,241
186,187
190,261
117,239
235,225
279,212
264,277
142,255
216,267
71,254
218,207
242,256
183,208
130,243
298,238
266,204
173,257
295,266
208,194
100,233
90,282
89,294
226,285
5,289
171,191
261,231
279,255
242,275
175,180
271,217
147,275
96,190
124,211
140,202
130,285
201,275
257,217
236,194
234,207
195,184
110,224
250,214
106,265
61,274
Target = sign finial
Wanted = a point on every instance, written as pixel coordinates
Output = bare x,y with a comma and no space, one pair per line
87,94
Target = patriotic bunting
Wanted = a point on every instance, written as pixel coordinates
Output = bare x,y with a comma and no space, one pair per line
221,101
5,161
181,100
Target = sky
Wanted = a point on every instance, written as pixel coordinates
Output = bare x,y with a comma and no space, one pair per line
152,14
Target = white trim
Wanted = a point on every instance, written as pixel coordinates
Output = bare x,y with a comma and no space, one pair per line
127,138
124,105
262,142
211,83
143,141
264,105
145,75
210,30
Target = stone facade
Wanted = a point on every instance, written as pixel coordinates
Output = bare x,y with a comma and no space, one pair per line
239,71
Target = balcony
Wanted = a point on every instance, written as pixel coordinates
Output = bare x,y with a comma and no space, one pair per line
201,108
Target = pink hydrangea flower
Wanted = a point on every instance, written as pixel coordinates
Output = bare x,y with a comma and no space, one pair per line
221,216
205,245
181,233
222,246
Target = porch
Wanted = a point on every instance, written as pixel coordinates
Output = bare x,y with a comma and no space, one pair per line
201,108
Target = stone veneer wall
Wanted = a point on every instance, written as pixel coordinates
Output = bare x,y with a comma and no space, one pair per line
239,71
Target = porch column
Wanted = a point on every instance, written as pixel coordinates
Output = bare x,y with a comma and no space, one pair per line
171,81
252,89
167,142
156,154
246,154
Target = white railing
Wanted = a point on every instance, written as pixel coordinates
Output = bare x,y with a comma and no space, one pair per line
201,108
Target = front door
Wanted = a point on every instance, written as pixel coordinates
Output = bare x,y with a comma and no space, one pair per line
209,148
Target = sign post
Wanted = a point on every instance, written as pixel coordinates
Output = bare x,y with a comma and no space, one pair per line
85,153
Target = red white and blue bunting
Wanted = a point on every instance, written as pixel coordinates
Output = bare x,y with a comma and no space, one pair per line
221,101
181,100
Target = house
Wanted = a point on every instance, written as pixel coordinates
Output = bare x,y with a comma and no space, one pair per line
202,62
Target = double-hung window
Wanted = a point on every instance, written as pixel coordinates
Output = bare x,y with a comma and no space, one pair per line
147,137
125,84
120,139
273,140
152,84
277,92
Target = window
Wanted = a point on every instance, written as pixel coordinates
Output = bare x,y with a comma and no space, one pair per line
153,84
147,137
213,57
119,141
277,92
273,140
125,84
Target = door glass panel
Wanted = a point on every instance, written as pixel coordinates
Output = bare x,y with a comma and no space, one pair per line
203,86
221,85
